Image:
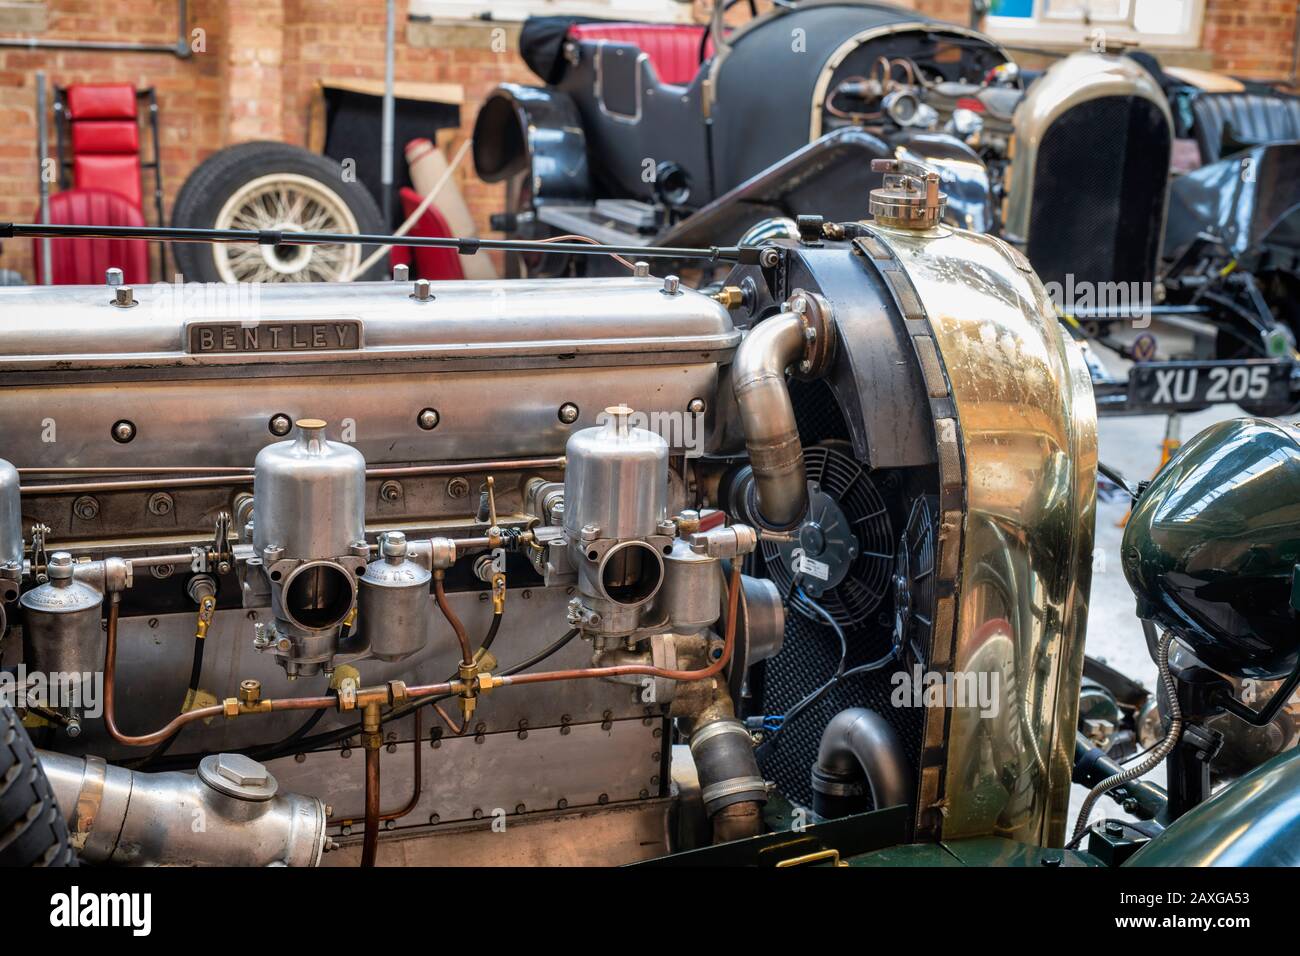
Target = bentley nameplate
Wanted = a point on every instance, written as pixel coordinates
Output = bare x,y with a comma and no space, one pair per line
274,336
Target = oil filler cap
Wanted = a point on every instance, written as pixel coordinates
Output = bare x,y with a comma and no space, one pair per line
909,198
237,776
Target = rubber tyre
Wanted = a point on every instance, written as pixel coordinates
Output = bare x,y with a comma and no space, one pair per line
218,177
32,831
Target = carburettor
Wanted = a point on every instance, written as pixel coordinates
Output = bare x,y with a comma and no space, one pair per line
650,593
309,538
616,521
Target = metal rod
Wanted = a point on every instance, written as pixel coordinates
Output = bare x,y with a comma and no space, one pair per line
129,470
465,247
1138,311
180,48
246,477
160,560
99,46
386,137
42,150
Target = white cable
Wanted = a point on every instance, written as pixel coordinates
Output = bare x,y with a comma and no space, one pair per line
414,217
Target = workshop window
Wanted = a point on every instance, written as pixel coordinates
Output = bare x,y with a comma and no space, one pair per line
1155,23
655,11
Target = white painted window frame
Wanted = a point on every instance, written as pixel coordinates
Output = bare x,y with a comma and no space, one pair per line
637,11
1045,29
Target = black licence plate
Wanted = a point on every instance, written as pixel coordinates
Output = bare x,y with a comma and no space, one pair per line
1170,386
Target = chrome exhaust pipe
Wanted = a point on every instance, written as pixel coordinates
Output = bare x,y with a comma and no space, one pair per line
228,814
802,338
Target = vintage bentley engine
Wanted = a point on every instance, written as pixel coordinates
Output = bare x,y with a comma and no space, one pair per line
453,574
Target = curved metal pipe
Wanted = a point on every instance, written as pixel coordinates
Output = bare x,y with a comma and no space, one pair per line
731,785
174,725
121,816
858,747
767,418
462,637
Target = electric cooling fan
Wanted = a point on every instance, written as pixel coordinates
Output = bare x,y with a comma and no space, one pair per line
844,551
914,582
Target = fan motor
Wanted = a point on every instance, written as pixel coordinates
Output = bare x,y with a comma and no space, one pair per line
843,553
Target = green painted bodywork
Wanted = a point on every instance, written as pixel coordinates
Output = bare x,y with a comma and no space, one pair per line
977,851
1212,546
1253,822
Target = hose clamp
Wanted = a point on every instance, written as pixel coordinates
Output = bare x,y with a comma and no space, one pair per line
729,788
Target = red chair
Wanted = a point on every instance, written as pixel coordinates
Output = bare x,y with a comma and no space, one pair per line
104,135
100,145
427,263
83,261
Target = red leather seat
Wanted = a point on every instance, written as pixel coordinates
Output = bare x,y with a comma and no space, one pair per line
673,48
432,264
83,261
105,138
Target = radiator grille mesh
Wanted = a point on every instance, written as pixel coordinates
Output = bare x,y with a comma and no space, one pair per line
1099,192
811,650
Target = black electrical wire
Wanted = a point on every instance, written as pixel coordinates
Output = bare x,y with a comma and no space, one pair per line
492,630
397,713
293,739
196,670
811,698
1118,479
870,665
288,742
541,655
840,672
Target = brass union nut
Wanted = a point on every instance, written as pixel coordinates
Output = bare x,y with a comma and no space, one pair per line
467,706
731,296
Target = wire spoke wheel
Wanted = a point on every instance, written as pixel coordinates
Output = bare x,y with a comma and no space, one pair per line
286,202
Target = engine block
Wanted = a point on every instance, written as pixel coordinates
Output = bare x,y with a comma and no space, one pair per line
502,540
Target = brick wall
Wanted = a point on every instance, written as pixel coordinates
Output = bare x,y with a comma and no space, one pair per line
262,59
189,92
1251,38
337,39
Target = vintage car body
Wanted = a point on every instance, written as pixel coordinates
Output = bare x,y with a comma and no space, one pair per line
611,151
610,128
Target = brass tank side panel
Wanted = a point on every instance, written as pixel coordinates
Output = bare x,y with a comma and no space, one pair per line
1028,435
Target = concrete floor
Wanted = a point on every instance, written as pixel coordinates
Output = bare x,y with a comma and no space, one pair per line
1131,446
